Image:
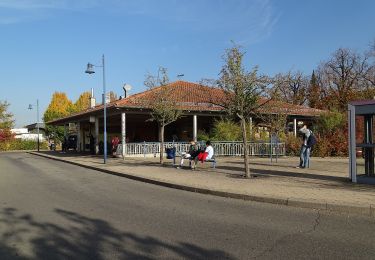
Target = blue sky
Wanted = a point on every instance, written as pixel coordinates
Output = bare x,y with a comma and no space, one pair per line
46,44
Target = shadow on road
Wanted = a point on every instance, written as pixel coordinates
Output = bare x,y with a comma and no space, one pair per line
82,237
93,159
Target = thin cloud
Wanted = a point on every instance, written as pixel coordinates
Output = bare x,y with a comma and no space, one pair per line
244,21
47,4
18,11
263,23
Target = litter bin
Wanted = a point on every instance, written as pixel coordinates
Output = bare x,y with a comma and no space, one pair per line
171,153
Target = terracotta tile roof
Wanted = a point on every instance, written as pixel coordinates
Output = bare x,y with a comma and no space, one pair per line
192,96
274,107
195,97
187,95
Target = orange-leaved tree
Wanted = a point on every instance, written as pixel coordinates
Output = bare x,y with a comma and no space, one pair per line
60,106
83,102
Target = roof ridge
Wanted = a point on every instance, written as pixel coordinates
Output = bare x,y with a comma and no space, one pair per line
171,84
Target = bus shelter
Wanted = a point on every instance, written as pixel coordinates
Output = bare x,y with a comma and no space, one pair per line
361,141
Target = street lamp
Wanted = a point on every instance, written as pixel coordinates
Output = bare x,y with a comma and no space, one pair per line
126,88
37,118
90,70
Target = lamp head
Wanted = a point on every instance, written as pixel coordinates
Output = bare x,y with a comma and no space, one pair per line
90,69
127,87
30,106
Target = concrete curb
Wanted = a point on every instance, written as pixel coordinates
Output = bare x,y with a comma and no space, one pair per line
368,211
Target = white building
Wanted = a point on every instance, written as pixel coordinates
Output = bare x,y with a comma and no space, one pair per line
23,133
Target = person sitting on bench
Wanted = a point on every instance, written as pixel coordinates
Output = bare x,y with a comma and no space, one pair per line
204,156
191,154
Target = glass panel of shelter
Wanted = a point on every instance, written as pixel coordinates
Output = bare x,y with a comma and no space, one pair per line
365,137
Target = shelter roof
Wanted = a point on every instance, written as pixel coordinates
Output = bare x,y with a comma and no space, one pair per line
194,97
363,102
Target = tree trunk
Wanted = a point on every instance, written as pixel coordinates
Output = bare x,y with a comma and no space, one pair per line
161,139
245,151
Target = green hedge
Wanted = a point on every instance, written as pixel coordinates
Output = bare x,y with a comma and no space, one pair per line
18,144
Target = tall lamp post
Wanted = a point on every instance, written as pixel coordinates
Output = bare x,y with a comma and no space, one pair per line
37,119
90,70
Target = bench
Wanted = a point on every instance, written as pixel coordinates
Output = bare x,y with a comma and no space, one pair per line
212,160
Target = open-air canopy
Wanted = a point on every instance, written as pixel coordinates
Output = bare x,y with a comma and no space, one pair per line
200,106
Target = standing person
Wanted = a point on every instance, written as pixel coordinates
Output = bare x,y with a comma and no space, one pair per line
191,154
52,145
92,144
115,142
304,155
64,145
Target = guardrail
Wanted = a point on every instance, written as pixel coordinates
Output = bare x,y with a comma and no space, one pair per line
148,149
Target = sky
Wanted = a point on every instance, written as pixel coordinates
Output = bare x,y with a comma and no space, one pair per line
46,44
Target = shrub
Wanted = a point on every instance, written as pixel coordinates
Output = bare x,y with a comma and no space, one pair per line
6,135
330,122
226,130
203,135
322,147
330,144
18,144
293,145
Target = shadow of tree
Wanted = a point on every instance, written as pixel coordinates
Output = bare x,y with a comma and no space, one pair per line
82,237
289,174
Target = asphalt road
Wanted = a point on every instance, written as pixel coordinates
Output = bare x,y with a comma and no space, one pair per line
53,210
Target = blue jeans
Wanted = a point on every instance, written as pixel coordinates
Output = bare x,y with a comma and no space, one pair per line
304,156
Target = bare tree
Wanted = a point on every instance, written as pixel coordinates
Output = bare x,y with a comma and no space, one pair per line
276,117
341,77
369,74
243,91
291,87
372,49
112,96
164,109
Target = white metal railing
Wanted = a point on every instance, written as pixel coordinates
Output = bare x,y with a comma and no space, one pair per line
235,148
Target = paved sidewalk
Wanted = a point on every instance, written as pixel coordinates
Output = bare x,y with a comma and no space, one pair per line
324,186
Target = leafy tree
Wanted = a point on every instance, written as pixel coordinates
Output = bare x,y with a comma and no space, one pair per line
6,122
60,106
313,96
243,91
6,118
162,103
83,102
